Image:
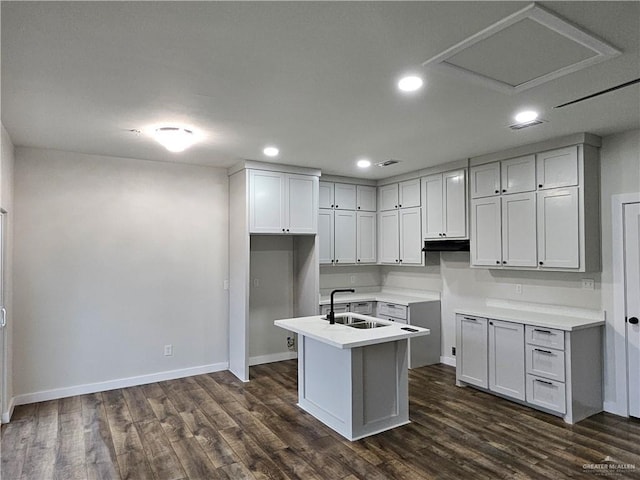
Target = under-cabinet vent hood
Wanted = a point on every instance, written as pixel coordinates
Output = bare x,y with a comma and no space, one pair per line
446,246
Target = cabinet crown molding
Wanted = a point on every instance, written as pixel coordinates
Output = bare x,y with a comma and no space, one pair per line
272,167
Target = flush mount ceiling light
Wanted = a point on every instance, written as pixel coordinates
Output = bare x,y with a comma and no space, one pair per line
174,139
410,83
271,151
526,116
364,163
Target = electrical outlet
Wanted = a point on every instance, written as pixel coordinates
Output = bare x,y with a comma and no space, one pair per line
225,284
168,350
588,283
519,288
256,282
291,343
453,351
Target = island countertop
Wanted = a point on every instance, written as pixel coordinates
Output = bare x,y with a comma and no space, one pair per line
343,336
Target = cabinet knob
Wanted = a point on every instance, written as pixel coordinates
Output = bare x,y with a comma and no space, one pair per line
337,260
490,323
633,320
358,208
504,262
337,206
400,206
497,191
396,260
541,263
332,206
396,206
358,259
497,262
504,190
444,234
400,260
287,229
539,185
283,229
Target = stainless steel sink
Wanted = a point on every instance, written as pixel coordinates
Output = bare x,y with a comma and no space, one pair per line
368,324
357,321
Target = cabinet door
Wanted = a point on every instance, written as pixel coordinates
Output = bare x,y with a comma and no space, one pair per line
325,236
302,204
388,247
409,194
410,237
557,168
506,358
558,243
472,349
455,204
345,196
345,236
519,175
325,195
486,243
432,189
519,230
388,197
366,233
485,180
267,202
366,198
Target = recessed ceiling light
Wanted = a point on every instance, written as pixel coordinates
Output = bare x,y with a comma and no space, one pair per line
364,163
410,83
271,151
526,116
174,139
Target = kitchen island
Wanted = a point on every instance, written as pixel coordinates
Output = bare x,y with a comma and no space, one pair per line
353,379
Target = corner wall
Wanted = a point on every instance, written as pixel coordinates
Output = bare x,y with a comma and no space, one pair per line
115,258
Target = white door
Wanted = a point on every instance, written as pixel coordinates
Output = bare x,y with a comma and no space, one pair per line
486,242
345,196
632,294
302,204
366,198
519,175
485,180
519,230
388,248
409,194
325,236
4,401
432,190
410,237
266,202
557,168
506,358
326,195
388,197
345,236
558,244
366,233
472,350
455,204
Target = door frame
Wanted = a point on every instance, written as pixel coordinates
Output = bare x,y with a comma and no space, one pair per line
621,405
5,407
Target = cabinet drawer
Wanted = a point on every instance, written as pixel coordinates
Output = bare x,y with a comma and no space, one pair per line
545,393
364,308
545,362
392,310
337,308
545,337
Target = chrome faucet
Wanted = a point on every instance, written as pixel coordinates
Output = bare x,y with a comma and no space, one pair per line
331,316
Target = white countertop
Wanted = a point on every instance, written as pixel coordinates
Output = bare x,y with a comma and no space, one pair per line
559,321
343,336
399,297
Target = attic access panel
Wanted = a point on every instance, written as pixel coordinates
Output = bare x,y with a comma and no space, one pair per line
523,50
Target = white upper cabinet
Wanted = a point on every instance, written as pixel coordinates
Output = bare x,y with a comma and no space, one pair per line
388,237
409,194
326,195
486,241
282,203
388,197
485,180
366,234
410,240
366,198
326,236
445,211
557,168
519,175
344,196
345,236
519,230
558,228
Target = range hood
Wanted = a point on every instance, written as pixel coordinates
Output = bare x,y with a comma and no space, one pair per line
446,246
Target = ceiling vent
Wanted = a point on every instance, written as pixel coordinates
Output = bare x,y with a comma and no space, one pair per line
523,50
388,163
520,126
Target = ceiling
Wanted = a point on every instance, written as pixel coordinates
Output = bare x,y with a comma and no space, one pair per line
316,79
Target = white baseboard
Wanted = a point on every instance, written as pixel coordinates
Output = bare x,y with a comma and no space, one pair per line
451,361
6,416
56,393
273,357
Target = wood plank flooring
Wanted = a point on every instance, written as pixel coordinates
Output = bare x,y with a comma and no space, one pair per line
214,426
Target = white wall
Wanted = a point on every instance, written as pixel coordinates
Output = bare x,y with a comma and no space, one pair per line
114,258
620,173
6,202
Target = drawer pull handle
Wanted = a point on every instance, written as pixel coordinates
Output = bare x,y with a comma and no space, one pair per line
548,332
471,318
543,381
543,351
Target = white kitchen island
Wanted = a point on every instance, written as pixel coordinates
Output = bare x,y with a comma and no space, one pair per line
353,380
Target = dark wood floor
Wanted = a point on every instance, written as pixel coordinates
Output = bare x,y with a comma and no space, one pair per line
213,426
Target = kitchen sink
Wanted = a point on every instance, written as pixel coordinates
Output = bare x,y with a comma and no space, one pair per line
368,324
358,321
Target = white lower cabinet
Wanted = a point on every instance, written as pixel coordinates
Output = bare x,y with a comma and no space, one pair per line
554,370
506,358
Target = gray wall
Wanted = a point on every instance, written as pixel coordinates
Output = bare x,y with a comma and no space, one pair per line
114,258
